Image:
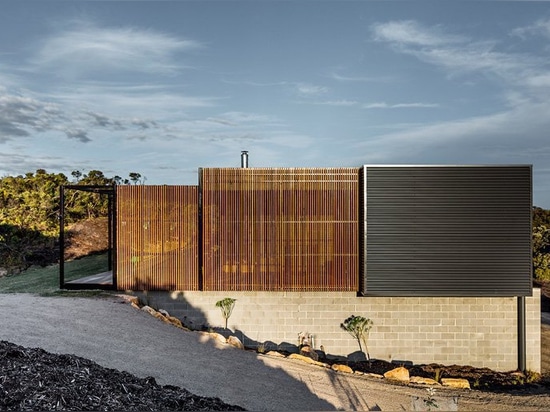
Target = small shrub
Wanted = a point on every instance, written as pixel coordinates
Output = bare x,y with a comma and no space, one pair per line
358,327
226,306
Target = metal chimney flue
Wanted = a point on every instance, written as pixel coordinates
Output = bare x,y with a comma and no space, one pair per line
244,159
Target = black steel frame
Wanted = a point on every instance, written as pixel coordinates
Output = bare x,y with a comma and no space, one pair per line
110,192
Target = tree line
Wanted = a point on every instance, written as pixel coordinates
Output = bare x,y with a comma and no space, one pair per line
30,210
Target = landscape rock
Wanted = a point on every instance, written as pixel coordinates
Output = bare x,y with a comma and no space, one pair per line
175,321
153,312
424,381
458,383
307,360
342,368
235,342
400,374
275,354
218,337
309,352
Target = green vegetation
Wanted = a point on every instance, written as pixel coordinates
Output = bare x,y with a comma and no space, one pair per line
226,306
358,327
30,210
45,281
541,244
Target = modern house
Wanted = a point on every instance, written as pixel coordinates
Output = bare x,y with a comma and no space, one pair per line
438,257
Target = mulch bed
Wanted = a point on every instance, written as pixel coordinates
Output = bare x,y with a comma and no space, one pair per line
33,379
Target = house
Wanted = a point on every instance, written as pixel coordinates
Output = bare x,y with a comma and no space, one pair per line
438,257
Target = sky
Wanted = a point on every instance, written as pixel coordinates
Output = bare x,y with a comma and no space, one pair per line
163,88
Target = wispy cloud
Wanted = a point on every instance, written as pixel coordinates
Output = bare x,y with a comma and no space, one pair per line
305,89
452,52
539,28
383,105
87,48
409,32
357,79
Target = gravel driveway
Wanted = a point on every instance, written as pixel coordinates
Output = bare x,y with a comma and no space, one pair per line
112,333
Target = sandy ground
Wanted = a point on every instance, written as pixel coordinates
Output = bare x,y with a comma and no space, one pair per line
115,335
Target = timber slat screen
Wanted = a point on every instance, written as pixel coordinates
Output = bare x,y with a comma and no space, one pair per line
157,238
292,229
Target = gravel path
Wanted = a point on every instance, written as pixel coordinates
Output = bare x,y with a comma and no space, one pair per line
112,333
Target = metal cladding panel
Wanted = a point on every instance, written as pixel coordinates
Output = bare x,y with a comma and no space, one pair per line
447,230
289,229
157,238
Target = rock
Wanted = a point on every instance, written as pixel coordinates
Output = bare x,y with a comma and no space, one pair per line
456,383
153,312
307,351
148,309
218,337
423,381
400,374
342,368
276,354
307,360
235,342
357,356
373,375
164,312
174,321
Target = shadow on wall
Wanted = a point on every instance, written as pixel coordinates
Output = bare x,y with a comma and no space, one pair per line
236,376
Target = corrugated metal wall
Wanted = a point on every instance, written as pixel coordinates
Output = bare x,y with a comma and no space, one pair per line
280,229
447,231
157,237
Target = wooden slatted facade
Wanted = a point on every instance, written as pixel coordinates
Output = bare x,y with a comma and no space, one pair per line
157,238
291,229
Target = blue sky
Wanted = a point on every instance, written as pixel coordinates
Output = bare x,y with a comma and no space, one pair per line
165,87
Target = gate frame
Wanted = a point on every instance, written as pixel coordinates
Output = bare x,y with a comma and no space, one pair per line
111,253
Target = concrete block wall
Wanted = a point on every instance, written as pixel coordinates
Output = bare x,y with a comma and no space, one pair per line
481,332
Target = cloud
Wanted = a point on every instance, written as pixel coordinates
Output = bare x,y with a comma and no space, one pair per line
409,32
511,136
306,89
451,52
384,105
339,103
20,114
363,79
87,48
78,134
540,27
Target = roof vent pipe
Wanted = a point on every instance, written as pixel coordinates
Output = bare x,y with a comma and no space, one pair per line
244,159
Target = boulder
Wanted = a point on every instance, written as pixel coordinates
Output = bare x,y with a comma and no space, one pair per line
154,313
235,342
342,368
174,321
400,374
218,337
307,360
275,354
309,352
423,381
458,383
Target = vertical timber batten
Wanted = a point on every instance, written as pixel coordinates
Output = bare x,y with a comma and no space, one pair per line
280,229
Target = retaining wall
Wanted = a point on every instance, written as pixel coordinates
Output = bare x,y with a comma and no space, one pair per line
481,332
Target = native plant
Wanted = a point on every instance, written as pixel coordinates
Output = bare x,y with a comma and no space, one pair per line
358,327
226,305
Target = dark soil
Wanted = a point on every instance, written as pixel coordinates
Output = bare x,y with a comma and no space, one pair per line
482,379
33,379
